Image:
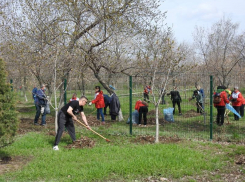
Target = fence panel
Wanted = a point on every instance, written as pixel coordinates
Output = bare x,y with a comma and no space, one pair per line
189,125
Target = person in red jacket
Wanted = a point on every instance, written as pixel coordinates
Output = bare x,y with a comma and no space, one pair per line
236,99
242,107
220,106
99,103
74,97
142,108
147,90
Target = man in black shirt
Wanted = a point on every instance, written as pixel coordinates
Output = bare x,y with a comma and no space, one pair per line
176,99
66,116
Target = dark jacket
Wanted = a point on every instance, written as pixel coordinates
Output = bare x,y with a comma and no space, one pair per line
41,98
175,96
34,93
107,99
114,105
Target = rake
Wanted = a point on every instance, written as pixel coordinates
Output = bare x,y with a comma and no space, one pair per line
93,131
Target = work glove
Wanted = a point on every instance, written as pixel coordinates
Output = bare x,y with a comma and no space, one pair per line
90,103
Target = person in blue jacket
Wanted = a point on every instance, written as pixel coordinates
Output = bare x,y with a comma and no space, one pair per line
107,101
34,93
40,102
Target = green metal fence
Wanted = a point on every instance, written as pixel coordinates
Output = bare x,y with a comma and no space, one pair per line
189,125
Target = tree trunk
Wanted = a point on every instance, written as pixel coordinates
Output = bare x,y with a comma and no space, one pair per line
157,125
55,96
103,83
24,89
83,86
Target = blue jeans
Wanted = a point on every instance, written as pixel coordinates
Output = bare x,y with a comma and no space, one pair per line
100,112
38,112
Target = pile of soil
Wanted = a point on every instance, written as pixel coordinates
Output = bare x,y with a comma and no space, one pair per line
152,112
84,142
5,159
191,113
152,121
240,160
151,139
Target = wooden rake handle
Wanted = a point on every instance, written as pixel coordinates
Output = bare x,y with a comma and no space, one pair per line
93,131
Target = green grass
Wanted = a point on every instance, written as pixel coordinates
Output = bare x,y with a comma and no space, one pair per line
191,127
118,160
123,159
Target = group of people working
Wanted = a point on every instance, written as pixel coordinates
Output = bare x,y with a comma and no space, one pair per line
221,97
67,114
224,96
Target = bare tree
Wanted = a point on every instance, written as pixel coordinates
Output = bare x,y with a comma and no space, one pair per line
220,48
158,57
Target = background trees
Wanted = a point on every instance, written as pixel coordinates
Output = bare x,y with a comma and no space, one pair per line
96,34
220,49
48,41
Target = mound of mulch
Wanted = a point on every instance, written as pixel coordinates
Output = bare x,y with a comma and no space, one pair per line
5,159
151,139
240,160
191,113
152,112
84,142
152,121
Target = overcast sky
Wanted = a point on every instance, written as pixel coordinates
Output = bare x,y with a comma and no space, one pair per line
184,15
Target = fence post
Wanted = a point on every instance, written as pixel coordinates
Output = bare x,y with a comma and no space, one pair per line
130,104
65,83
211,107
11,83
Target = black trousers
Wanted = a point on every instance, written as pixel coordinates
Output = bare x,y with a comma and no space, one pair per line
237,108
163,101
143,111
199,107
220,115
113,117
146,97
242,110
178,103
106,105
64,122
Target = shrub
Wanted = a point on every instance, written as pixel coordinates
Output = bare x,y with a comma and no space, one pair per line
8,114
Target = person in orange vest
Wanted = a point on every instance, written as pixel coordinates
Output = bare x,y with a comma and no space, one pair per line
142,108
242,107
220,104
147,90
236,99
